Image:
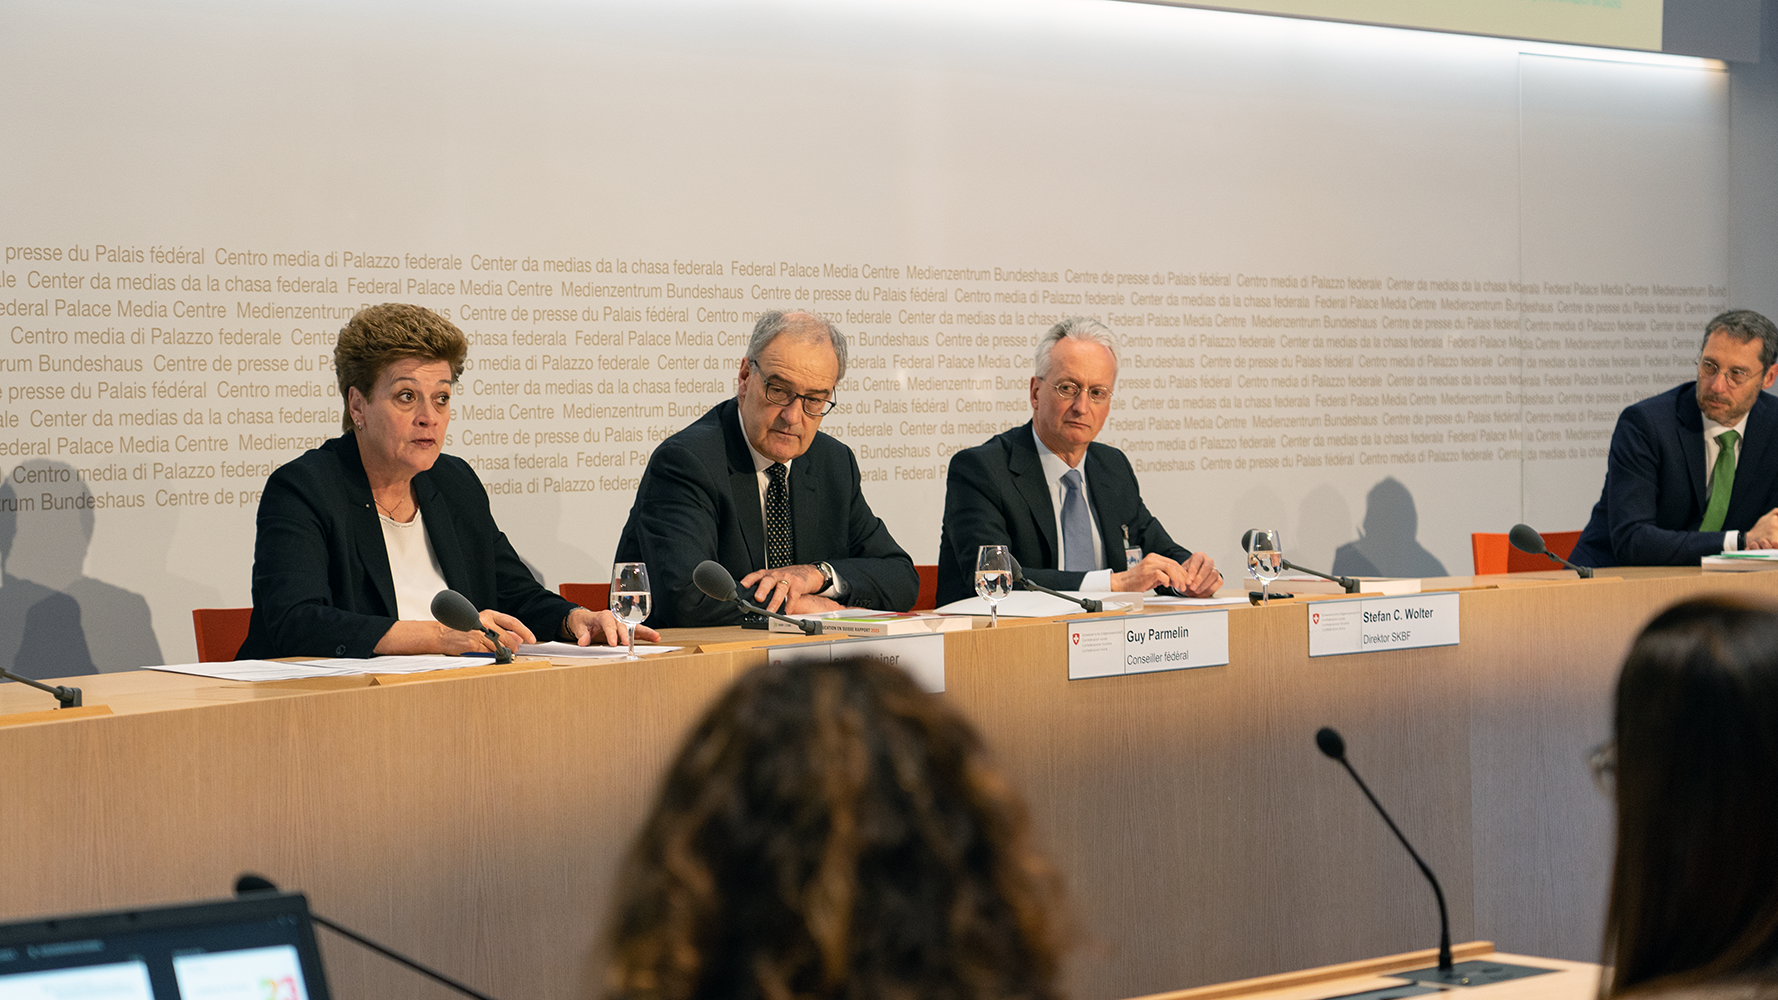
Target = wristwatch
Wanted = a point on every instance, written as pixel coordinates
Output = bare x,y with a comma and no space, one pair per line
826,577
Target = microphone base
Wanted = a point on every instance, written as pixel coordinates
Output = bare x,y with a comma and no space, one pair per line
1479,972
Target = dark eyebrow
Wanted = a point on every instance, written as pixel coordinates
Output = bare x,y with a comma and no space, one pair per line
776,383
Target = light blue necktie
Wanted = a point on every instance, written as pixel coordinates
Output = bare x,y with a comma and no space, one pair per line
1077,527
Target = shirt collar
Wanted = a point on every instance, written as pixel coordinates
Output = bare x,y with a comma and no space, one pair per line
1054,468
760,462
1712,428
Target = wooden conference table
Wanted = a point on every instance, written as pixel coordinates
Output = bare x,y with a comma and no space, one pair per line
476,819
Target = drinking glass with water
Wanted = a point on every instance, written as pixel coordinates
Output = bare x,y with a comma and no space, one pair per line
1265,559
993,578
630,596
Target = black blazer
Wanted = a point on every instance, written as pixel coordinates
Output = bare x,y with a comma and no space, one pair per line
321,580
699,499
1654,496
996,494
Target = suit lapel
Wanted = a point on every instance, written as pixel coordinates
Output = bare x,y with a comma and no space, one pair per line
1691,443
441,531
1027,474
372,552
1099,492
1762,423
744,485
805,510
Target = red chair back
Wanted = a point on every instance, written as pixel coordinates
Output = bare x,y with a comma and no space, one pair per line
220,632
928,599
592,596
1493,553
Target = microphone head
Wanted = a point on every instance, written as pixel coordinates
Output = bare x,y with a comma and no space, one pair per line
453,610
1331,742
1246,539
249,882
1018,572
1526,539
714,580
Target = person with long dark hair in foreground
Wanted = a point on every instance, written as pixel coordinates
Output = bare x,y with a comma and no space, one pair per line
829,830
1694,892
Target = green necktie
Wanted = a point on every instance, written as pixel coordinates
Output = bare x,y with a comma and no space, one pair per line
1722,482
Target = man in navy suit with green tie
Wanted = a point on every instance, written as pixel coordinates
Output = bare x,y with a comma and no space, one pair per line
1694,471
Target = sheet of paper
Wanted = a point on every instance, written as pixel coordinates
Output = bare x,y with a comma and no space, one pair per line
255,670
1029,604
1153,600
401,664
561,650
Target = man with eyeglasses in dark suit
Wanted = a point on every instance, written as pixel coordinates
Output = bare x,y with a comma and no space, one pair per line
1693,471
755,485
1068,507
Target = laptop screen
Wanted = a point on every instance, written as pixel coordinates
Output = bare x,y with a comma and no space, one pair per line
259,948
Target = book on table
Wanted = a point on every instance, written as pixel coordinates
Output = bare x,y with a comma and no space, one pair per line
1741,562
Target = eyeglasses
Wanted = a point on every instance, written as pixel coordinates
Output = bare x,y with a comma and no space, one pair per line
1737,377
777,395
1069,390
1602,761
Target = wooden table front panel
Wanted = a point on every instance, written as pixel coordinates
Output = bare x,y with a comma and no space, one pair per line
477,822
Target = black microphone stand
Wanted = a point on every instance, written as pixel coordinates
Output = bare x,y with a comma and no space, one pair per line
1086,603
1351,586
66,697
250,883
808,626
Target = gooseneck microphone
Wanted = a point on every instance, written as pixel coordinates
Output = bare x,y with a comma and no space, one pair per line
453,610
1020,580
718,584
249,883
1348,584
1526,539
66,697
1334,745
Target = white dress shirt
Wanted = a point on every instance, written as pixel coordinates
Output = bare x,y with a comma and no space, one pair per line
1731,540
1054,468
760,464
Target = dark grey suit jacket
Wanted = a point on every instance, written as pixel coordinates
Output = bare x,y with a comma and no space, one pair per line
699,499
321,579
996,494
1654,496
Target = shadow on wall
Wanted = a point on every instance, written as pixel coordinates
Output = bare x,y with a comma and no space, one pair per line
54,620
1386,544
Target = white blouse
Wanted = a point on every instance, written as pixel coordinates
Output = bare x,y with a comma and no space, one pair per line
418,577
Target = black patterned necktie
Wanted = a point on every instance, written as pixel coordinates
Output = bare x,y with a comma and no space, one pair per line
780,536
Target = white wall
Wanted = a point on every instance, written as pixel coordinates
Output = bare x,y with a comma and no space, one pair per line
1467,179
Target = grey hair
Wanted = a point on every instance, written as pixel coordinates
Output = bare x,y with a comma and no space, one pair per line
1744,325
773,322
1082,328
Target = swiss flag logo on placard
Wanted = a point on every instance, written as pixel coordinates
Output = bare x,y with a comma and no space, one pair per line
1076,637
1315,617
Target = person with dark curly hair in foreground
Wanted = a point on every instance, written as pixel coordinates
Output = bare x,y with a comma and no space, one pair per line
1694,768
831,832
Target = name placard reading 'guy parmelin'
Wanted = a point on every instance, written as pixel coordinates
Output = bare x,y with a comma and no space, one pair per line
1365,624
1140,644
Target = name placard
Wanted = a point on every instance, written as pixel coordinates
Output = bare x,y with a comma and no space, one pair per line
1140,644
1366,624
922,656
